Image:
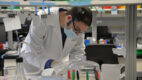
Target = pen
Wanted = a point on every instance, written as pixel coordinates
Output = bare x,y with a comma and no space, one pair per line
87,75
95,74
77,73
69,75
73,75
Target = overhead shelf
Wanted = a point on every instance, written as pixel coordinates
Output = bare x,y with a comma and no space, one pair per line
65,3
115,2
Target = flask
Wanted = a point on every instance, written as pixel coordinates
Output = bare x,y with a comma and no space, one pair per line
19,69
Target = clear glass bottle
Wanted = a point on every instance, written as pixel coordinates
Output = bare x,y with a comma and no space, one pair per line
19,69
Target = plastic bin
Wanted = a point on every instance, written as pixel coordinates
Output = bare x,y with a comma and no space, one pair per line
139,52
138,6
1,46
122,7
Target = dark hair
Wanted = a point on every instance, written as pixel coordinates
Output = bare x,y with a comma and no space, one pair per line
83,14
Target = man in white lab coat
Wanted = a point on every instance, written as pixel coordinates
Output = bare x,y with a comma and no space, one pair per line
59,38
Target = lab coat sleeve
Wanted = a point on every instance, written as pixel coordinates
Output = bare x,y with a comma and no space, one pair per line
34,39
77,52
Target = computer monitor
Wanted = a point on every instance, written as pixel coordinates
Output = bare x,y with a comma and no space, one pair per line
22,33
102,54
104,33
2,33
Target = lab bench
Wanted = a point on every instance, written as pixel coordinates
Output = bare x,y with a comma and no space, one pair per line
12,64
10,68
2,63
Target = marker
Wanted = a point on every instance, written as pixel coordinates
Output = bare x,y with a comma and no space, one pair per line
87,75
73,75
97,75
77,73
69,75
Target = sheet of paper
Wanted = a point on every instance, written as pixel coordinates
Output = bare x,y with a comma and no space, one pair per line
12,23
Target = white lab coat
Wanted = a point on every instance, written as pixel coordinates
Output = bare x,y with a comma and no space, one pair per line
45,41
